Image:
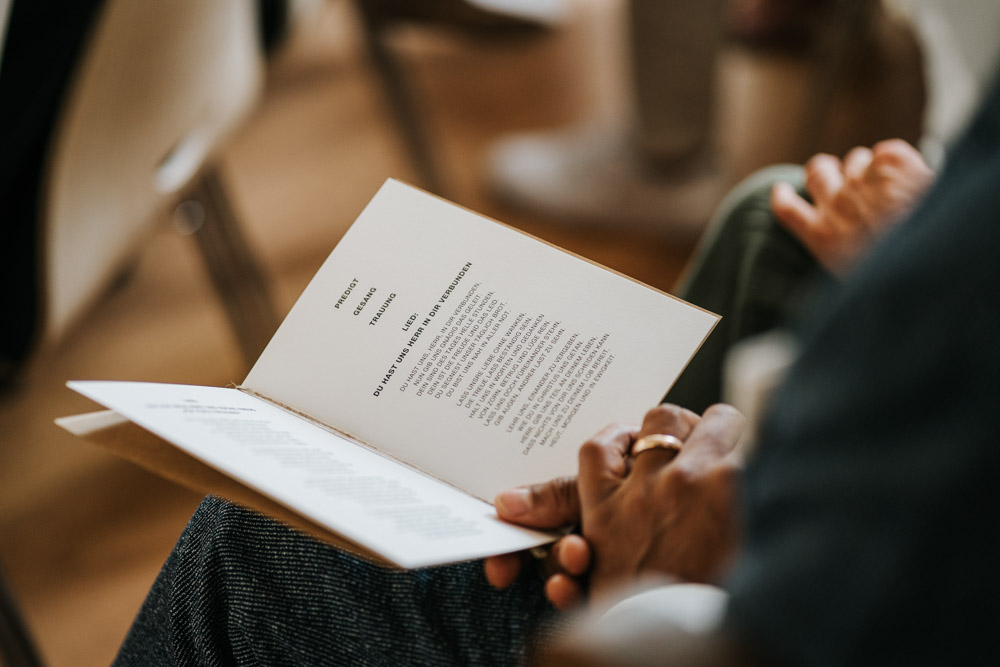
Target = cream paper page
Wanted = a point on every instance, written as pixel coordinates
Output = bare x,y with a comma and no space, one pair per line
470,350
403,515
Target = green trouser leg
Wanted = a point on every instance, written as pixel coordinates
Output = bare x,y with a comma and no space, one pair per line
749,270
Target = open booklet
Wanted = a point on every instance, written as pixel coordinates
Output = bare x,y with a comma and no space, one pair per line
436,358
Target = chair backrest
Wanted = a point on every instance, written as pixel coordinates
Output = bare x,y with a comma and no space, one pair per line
160,86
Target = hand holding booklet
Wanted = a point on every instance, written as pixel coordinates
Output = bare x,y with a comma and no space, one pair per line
436,359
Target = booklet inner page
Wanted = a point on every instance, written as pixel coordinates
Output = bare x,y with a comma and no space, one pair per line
403,515
472,351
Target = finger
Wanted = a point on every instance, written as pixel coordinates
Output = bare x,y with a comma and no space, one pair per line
714,437
736,457
853,201
549,505
824,177
563,591
856,164
502,571
897,153
794,212
671,420
895,159
602,462
572,555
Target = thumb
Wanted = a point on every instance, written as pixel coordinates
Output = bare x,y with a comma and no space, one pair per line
549,505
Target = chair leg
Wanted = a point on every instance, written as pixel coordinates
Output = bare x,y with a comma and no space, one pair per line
16,647
400,97
234,271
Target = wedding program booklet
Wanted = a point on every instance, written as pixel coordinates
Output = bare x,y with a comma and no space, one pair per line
436,359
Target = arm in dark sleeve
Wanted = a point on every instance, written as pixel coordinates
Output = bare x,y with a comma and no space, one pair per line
870,507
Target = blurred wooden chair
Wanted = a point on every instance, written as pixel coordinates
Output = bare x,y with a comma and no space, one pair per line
159,88
125,124
479,19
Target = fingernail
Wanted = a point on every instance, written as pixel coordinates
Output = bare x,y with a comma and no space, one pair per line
515,502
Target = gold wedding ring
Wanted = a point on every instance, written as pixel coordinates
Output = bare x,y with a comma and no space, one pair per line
657,441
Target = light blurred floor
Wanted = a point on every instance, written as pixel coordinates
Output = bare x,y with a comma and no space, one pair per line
82,535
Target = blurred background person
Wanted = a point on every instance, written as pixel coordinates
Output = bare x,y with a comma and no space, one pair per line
659,165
